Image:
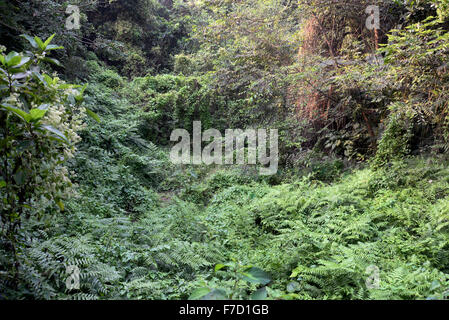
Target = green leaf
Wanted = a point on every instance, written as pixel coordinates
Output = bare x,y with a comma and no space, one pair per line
199,293
53,61
48,79
16,63
260,294
23,61
2,184
256,275
60,136
39,43
18,112
12,59
14,70
83,88
64,86
295,272
80,97
47,42
219,267
30,40
53,47
60,205
37,114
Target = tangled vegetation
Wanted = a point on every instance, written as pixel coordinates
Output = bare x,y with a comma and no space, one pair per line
359,208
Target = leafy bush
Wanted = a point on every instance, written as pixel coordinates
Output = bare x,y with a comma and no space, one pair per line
170,102
395,141
40,118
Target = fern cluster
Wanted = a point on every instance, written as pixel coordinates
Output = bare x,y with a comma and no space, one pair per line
321,240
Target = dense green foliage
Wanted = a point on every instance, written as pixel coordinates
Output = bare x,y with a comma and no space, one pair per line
359,208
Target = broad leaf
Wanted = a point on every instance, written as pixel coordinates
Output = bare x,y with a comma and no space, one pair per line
60,136
23,61
12,59
93,115
18,112
256,275
37,114
53,61
30,40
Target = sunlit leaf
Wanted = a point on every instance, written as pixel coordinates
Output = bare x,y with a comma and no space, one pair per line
47,42
18,112
37,114
39,43
93,115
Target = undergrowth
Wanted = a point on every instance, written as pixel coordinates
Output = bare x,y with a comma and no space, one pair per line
142,228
